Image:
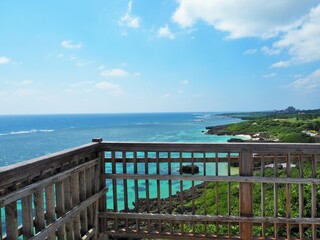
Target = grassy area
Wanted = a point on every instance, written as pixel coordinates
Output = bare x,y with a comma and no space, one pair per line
222,203
285,130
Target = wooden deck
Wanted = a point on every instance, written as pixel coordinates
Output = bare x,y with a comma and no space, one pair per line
135,190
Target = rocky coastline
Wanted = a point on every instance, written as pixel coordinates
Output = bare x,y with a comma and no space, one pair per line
222,130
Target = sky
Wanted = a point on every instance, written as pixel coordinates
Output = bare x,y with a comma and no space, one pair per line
126,56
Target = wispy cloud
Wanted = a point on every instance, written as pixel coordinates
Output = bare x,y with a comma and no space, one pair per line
81,83
70,44
79,62
116,72
302,41
111,88
308,83
4,60
269,75
250,51
128,19
185,82
270,51
165,32
19,83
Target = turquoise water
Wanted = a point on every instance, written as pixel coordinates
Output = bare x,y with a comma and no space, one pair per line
23,137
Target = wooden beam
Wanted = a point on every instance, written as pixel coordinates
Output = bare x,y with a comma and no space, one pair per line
28,190
68,216
246,194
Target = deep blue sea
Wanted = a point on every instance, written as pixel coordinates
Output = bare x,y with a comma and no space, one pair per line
23,137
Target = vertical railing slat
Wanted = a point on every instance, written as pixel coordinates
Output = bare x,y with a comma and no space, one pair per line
68,206
245,193
83,213
50,208
88,173
314,196
275,195
301,196
288,195
12,221
136,189
39,222
103,199
74,187
60,207
158,190
27,217
263,197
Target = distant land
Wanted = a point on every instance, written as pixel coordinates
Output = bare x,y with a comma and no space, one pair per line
289,125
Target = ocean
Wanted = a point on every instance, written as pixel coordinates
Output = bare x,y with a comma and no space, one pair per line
23,137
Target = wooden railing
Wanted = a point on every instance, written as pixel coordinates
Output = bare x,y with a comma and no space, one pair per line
237,193
242,190
52,196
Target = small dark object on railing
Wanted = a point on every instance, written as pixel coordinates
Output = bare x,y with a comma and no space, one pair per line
189,169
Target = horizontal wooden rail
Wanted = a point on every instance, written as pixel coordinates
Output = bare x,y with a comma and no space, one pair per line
67,216
207,218
29,189
37,166
207,178
307,148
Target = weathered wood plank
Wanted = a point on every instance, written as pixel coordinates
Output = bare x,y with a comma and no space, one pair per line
246,194
89,189
28,190
11,221
83,213
60,208
75,190
27,217
67,216
211,147
39,221
241,179
24,170
50,208
68,206
208,218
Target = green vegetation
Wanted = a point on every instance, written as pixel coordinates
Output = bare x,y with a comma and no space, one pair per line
285,129
222,203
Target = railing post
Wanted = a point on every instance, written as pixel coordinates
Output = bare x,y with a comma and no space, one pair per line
246,193
102,184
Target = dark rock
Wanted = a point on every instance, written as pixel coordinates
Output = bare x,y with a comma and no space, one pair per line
235,140
189,169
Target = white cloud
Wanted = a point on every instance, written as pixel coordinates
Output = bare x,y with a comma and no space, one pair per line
308,83
302,42
4,60
165,32
128,19
166,96
81,83
270,51
185,82
281,64
244,18
69,44
117,72
270,75
79,62
19,83
24,92
250,51
113,89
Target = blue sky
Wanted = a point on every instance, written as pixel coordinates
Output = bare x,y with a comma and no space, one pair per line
158,56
